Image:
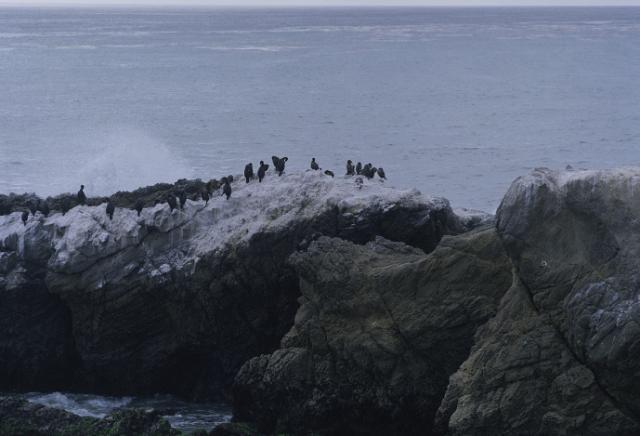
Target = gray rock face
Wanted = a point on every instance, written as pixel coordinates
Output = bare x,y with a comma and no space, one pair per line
562,357
176,301
379,331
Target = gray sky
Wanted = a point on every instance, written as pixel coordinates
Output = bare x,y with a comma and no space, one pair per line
327,2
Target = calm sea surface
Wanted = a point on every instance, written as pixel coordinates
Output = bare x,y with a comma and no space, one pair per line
454,102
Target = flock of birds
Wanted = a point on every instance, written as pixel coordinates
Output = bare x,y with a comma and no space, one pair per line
368,171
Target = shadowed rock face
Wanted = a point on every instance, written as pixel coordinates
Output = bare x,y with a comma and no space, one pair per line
563,355
177,301
380,329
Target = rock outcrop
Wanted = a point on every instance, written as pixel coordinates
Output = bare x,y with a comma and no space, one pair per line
19,417
176,301
380,329
562,357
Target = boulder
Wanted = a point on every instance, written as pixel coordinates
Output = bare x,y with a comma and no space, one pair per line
19,417
176,301
562,356
380,329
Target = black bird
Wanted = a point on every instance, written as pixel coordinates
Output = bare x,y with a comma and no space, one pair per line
226,188
373,171
25,217
350,169
82,198
262,171
183,199
381,173
367,171
314,164
171,200
111,208
44,208
359,168
205,196
248,172
230,178
139,206
329,173
279,163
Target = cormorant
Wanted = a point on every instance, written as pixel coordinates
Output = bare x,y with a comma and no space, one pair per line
226,188
171,200
359,168
82,198
262,171
381,173
230,178
205,196
279,163
314,164
329,173
111,208
139,206
350,169
248,172
183,199
25,217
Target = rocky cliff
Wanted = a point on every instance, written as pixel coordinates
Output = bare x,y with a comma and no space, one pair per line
379,330
176,301
563,354
549,300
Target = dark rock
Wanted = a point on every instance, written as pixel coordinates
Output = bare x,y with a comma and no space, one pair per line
179,309
561,358
380,329
19,418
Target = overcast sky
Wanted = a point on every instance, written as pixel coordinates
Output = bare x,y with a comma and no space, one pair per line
327,2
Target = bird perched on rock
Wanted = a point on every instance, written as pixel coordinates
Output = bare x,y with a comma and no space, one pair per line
262,170
111,208
81,196
248,172
226,188
359,168
205,196
44,208
314,164
373,171
329,173
171,201
25,217
139,206
279,163
350,168
367,171
381,173
182,196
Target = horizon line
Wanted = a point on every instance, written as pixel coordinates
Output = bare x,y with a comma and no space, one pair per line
24,5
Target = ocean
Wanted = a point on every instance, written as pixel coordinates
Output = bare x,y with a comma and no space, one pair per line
455,102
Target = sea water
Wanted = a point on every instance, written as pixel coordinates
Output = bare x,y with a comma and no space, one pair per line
183,416
455,102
